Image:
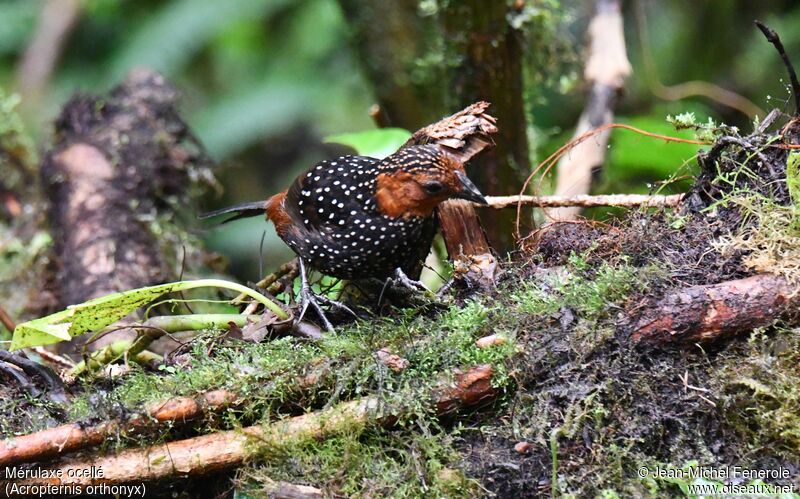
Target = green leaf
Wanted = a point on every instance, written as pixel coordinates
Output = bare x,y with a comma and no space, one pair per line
98,313
377,143
793,176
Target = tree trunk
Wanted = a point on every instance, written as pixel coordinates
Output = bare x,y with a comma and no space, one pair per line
489,55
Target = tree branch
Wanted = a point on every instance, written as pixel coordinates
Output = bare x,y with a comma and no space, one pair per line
773,38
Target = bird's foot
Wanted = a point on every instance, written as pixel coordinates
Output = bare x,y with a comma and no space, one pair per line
445,288
336,304
403,280
401,284
308,297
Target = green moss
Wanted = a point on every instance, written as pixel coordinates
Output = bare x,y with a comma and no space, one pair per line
369,463
590,292
266,374
761,393
593,410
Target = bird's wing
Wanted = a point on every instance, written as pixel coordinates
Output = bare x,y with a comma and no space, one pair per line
333,193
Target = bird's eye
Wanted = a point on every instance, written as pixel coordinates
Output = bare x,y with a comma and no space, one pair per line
432,187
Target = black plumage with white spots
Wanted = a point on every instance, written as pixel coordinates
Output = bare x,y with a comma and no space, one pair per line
357,217
342,232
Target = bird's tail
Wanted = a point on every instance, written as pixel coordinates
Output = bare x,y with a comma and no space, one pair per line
244,210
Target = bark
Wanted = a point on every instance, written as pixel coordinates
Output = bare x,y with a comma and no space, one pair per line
461,229
489,54
712,312
223,450
607,67
119,169
283,490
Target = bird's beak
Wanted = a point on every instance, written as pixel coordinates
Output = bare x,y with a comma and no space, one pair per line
469,191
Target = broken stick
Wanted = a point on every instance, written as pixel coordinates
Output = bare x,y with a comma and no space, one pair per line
713,311
222,450
587,201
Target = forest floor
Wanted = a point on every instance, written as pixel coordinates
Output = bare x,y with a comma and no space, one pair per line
579,410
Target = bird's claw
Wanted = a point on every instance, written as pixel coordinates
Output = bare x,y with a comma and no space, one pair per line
336,304
405,281
308,297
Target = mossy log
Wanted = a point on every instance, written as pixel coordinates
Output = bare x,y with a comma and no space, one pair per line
222,450
713,311
64,439
69,438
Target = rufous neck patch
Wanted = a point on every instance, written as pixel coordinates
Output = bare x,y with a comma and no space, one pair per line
398,195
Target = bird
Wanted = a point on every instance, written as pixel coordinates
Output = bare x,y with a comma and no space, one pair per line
359,217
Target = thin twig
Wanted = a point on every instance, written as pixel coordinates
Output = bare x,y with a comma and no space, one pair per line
586,200
773,38
551,160
57,360
286,268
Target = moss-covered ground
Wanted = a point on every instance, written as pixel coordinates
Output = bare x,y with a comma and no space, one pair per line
579,410
592,409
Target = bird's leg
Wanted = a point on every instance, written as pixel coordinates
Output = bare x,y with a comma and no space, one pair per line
405,281
308,297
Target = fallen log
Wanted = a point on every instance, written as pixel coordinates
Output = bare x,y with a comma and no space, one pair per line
52,442
64,439
222,450
701,314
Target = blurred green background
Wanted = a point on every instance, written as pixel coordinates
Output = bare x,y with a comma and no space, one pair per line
264,81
